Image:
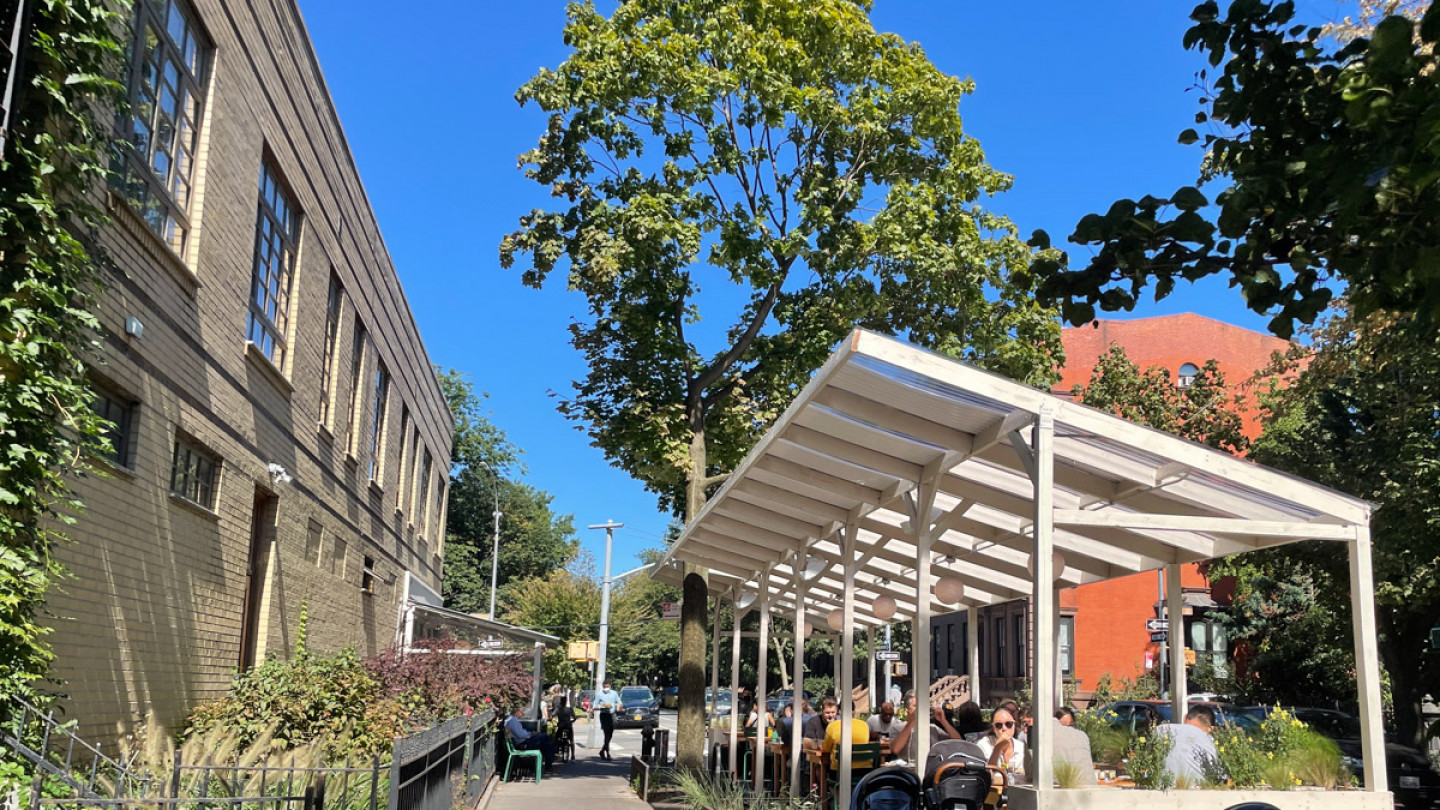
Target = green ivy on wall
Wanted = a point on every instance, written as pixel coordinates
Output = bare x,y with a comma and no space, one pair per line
51,173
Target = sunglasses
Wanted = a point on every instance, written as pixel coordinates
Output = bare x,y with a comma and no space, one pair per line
1006,724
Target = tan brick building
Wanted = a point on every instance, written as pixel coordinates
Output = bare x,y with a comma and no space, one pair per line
281,438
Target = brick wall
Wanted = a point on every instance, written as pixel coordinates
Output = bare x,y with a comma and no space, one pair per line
154,616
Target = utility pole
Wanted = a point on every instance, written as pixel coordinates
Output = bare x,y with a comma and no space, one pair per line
609,526
495,552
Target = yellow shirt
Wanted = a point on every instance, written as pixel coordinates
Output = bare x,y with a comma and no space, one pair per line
859,734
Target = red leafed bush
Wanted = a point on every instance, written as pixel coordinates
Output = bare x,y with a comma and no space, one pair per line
446,680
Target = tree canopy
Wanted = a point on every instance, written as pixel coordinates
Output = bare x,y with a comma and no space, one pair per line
534,541
783,157
1364,418
1203,411
1327,153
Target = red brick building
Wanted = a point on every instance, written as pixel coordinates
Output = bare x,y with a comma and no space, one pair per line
1103,624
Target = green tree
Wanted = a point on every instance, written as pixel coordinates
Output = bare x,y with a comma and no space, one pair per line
1364,418
809,174
566,603
1203,411
1327,154
55,155
534,541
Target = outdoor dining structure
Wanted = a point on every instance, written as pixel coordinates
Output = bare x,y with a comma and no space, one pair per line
902,483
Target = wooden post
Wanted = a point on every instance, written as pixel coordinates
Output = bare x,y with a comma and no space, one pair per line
847,667
1175,638
735,689
923,529
798,680
762,672
972,649
1043,590
1367,661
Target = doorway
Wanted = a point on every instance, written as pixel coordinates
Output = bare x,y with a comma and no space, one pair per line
257,579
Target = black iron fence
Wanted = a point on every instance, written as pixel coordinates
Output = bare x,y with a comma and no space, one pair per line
440,768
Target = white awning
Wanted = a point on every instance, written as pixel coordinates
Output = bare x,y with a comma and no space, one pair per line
882,414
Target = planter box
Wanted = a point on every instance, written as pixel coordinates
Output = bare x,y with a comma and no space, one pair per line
1027,798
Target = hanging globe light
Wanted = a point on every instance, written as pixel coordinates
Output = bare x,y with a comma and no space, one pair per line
949,590
883,607
808,629
836,620
1057,564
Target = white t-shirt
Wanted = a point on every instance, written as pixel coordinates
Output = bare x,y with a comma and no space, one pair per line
879,728
1015,763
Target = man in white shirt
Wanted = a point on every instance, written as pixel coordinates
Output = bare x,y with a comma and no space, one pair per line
1192,751
607,703
529,740
884,723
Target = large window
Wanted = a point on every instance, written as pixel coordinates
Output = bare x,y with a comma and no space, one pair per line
333,307
119,412
377,427
169,63
1067,645
357,400
193,472
276,227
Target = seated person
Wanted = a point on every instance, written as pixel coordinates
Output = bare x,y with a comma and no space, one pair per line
970,721
859,735
813,730
527,740
905,743
1192,751
884,723
1070,745
1000,746
787,723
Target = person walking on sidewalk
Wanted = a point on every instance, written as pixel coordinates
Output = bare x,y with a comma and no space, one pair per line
607,702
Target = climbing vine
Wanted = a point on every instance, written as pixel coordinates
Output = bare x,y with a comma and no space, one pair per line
53,167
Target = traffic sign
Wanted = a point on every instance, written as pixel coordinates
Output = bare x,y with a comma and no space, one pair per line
1160,636
669,610
887,655
1154,625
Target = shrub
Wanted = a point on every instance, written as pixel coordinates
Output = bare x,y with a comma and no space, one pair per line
1147,762
1108,744
1241,760
309,698
445,682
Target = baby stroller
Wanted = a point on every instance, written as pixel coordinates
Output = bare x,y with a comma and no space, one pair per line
891,788
957,778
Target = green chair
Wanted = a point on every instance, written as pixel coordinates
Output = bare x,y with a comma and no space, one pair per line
515,753
864,757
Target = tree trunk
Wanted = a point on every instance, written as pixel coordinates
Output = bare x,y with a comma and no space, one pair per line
1402,648
780,659
690,725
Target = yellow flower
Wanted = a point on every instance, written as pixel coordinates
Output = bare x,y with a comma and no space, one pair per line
1221,748
1271,755
1140,740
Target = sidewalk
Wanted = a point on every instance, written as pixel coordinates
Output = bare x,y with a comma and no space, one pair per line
584,783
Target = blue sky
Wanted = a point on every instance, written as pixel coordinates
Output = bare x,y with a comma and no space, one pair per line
1081,102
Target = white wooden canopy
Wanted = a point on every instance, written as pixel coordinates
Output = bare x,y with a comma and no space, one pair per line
1011,481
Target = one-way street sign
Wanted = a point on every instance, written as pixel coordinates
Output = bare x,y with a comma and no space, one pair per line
1157,624
1160,636
886,655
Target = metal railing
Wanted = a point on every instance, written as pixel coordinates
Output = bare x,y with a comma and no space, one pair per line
432,770
437,769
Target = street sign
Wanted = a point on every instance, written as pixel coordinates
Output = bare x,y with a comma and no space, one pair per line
670,610
1160,636
887,655
1154,625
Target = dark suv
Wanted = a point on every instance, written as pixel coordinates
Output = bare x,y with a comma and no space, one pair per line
639,707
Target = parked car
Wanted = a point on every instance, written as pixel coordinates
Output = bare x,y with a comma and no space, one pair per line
583,701
670,697
722,703
638,707
777,700
1135,715
1412,778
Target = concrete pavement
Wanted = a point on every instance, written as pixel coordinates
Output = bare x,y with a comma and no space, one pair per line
585,783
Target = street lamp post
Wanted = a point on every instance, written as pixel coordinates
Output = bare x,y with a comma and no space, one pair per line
609,526
495,552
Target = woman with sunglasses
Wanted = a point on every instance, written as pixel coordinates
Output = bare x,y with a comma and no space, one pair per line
1000,747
